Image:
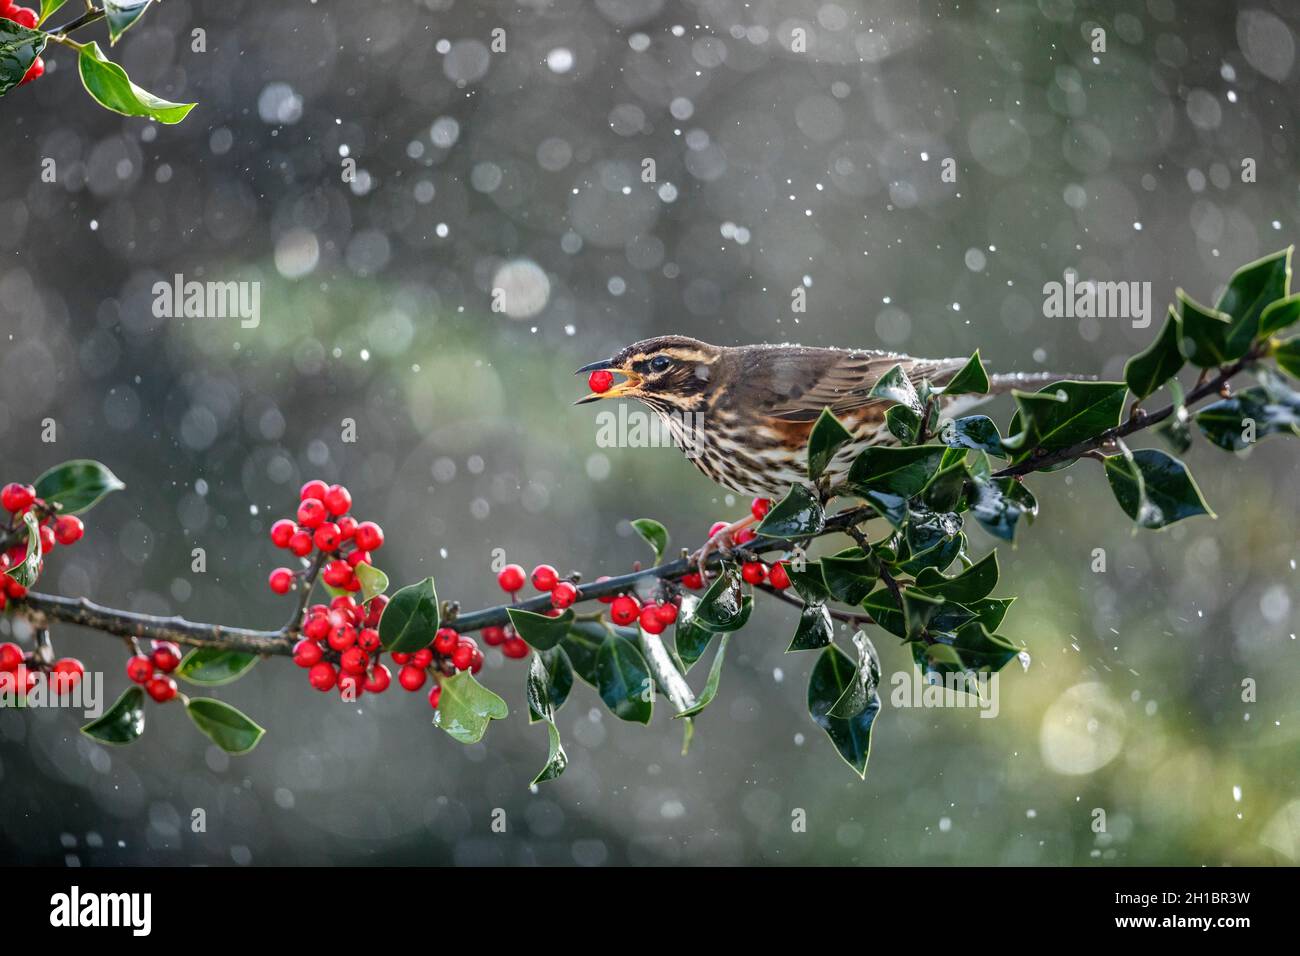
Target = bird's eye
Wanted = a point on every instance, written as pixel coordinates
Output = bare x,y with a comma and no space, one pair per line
660,363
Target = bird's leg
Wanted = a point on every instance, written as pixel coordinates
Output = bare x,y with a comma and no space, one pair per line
721,541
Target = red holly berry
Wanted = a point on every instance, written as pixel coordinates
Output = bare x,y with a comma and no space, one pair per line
753,572
342,637
435,694
511,578
351,686
300,544
624,610
444,642
377,605
161,688
600,380
650,620
545,577
68,529
692,580
317,627
139,669
515,647
476,661
494,636
759,508
777,576
564,594
368,640
338,500
354,661
347,527
462,655
745,535
24,16
378,679
11,655
166,656
323,676
336,573
369,536
400,657
47,539
422,658
15,497
716,527
34,72
68,672
307,653
281,580
313,489
15,590
667,613
311,513
411,677
282,531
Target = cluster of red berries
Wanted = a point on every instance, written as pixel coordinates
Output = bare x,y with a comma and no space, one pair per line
545,578
54,528
25,17
340,647
324,525
153,671
18,671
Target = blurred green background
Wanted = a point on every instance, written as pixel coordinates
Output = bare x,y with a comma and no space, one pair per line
522,170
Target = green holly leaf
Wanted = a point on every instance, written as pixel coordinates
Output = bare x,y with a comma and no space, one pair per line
19,48
971,379
1063,414
539,630
373,581
582,646
815,629
690,639
798,515
1153,488
886,477
977,432
48,7
213,666
541,705
466,707
809,583
862,685
895,386
1176,429
227,727
850,575
112,89
123,723
947,488
623,680
1251,290
1157,363
971,649
918,609
77,486
831,677
931,539
1287,356
1204,333
971,584
722,606
558,674
122,15
653,534
1249,416
999,504
828,437
1280,315
711,685
410,620
28,570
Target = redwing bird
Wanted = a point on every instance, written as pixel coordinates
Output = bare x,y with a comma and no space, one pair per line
746,412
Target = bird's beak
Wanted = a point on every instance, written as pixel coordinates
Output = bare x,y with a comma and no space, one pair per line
618,390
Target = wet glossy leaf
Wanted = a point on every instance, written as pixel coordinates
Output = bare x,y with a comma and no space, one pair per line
122,723
557,674
48,7
711,684
829,680
77,485
809,583
1157,363
373,581
466,707
26,571
228,728
971,649
19,48
1251,290
1282,314
410,620
947,488
653,534
918,609
973,431
112,89
1063,414
903,423
1229,423
816,628
722,607
798,515
213,666
971,584
1153,488
1287,356
895,386
999,504
850,575
970,379
541,707
1204,333
122,15
540,631
690,639
901,472
862,685
828,436
931,539
623,680
582,645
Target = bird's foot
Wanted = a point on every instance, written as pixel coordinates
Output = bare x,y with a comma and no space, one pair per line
721,541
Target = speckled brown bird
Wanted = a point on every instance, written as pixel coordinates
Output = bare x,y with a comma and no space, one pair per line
750,409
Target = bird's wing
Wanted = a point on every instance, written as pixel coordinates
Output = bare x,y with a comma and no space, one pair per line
800,382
